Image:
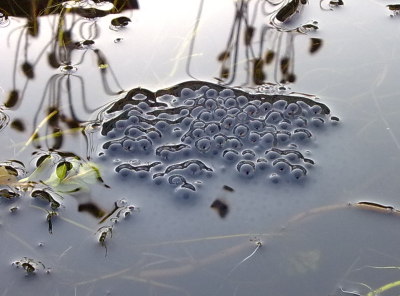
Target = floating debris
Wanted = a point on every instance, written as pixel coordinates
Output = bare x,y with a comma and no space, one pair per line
221,207
31,266
394,8
184,134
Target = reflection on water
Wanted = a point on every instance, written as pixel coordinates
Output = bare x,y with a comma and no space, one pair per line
171,190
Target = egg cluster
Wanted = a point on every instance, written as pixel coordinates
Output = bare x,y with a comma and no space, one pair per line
183,134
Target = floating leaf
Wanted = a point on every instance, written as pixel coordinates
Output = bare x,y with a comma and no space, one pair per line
62,169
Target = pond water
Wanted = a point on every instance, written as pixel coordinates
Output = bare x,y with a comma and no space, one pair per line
200,148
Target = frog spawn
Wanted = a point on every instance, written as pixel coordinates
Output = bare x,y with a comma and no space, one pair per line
182,135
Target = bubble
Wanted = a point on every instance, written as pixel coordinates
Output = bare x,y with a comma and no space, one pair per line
212,129
281,166
230,155
230,103
240,130
273,117
246,168
203,144
211,93
242,100
280,104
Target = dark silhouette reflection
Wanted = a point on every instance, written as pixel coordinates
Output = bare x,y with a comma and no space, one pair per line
272,53
74,31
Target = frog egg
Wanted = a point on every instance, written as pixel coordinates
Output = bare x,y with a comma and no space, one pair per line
203,144
268,139
111,134
143,106
246,168
162,126
220,141
198,133
265,108
292,109
251,110
133,132
187,93
129,145
205,116
230,103
274,178
159,180
240,130
121,124
211,93
271,155
317,122
293,157
186,122
210,104
184,112
284,124
242,100
226,93
194,170
280,104
115,147
301,135
281,166
235,143
256,125
300,122
282,138
125,173
219,113
298,172
262,164
254,138
273,117
184,194
212,128
228,122
144,145
316,109
154,135
248,154
177,133
133,119
230,155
